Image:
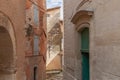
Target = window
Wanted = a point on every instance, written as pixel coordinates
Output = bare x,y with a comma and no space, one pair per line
48,15
36,14
36,45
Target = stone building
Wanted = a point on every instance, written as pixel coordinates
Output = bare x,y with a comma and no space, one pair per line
55,36
35,40
91,40
12,46
22,40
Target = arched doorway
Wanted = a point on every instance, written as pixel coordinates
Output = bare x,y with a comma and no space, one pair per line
82,21
35,73
85,53
7,49
6,54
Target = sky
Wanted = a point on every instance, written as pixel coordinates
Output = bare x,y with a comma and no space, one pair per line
53,3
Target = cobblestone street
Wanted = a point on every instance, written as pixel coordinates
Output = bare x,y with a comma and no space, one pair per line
58,76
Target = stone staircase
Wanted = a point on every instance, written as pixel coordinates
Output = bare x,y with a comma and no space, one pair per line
55,19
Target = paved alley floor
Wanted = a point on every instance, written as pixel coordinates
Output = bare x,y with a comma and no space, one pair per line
58,76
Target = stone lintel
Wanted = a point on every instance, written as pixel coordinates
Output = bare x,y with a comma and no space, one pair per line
81,14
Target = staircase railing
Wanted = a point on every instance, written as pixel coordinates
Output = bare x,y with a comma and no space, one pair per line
53,21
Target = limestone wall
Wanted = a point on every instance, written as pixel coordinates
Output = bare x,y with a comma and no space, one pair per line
104,40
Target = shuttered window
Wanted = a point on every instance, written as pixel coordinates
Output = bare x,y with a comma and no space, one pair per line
36,14
36,45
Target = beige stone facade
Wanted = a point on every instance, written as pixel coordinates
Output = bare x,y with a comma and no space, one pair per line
102,19
55,35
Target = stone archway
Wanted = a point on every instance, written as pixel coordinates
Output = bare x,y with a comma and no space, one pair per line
7,49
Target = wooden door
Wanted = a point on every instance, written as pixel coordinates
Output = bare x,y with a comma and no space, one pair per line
85,53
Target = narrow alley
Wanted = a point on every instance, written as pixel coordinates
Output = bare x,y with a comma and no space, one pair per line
59,39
